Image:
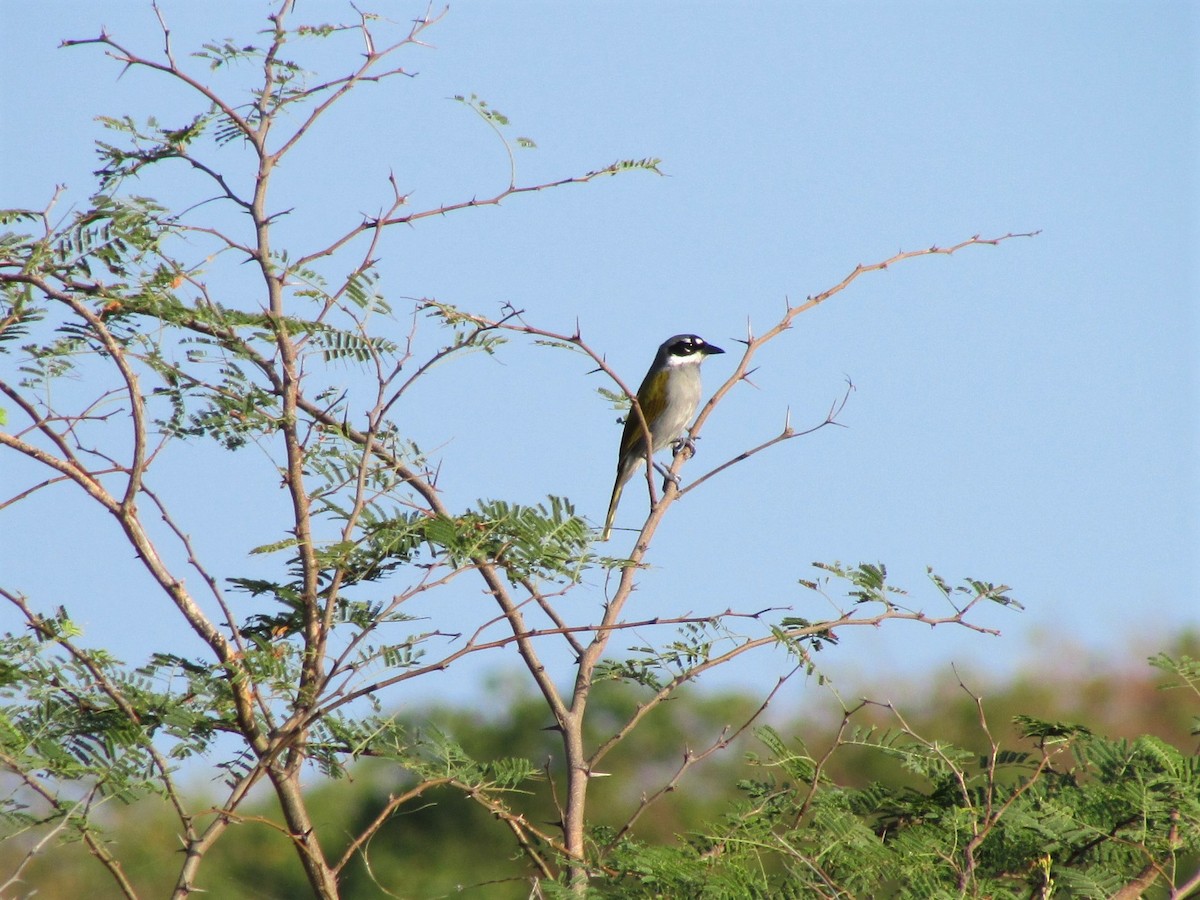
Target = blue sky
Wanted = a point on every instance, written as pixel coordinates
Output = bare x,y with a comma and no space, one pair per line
1025,414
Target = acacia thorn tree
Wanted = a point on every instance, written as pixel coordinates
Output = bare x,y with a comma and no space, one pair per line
132,332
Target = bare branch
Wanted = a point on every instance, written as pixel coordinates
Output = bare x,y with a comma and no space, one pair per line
690,759
786,435
394,802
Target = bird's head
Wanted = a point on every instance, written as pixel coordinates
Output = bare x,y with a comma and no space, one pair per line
686,349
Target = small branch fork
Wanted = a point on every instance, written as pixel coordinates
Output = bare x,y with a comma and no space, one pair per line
986,802
68,814
690,759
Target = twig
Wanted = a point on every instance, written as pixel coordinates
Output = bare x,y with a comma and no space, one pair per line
690,759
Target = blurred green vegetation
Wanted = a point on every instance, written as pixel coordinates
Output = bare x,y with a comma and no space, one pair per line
444,844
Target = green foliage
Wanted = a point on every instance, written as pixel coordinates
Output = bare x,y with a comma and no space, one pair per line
1188,671
547,541
144,145
788,822
671,662
84,719
1082,812
868,584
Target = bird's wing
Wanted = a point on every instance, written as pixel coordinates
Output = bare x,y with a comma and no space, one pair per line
633,438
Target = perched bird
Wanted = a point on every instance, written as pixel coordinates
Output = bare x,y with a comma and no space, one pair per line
668,398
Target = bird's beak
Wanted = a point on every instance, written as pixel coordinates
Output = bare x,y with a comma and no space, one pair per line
711,349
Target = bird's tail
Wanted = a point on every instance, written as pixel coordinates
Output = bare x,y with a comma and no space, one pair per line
612,509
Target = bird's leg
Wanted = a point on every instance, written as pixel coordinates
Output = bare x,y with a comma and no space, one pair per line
686,446
668,478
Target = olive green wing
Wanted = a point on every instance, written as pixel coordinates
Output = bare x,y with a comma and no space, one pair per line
652,398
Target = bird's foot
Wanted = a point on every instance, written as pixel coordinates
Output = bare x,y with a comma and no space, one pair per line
684,445
668,476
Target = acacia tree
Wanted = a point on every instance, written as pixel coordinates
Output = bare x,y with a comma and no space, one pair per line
173,349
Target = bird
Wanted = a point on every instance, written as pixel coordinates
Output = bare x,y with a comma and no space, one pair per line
668,398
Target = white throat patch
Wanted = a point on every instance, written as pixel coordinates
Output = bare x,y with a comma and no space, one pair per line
675,362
